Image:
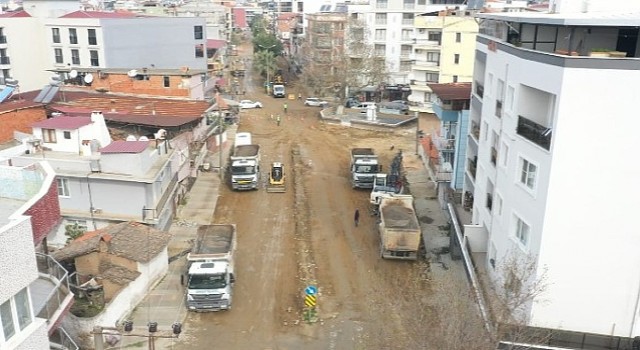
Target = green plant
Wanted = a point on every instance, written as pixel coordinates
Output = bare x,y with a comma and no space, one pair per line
73,231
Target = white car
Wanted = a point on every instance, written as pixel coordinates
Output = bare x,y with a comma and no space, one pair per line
250,104
315,102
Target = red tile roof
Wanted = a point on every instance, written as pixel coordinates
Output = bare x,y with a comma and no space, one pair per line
287,16
63,123
125,147
99,14
14,14
240,18
452,91
215,43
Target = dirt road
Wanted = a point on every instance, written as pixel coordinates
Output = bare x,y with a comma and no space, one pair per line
307,236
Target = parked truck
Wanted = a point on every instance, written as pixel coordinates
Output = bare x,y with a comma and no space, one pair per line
238,68
278,90
364,167
209,275
400,235
245,163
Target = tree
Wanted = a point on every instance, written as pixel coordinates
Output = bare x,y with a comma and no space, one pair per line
266,41
265,62
73,231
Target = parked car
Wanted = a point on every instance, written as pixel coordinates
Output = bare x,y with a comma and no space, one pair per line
351,101
250,104
315,102
396,105
363,105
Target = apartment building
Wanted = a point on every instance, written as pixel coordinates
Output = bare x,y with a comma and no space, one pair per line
51,35
442,52
553,129
325,50
35,294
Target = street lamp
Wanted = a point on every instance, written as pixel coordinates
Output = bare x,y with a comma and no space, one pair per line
268,62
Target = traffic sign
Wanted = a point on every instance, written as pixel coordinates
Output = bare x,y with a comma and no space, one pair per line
310,301
311,290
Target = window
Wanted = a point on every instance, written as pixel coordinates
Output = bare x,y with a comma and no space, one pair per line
455,78
63,187
381,34
427,97
433,57
58,54
422,2
6,317
95,61
23,309
458,37
406,34
199,50
407,18
528,173
522,231
498,204
435,36
55,34
409,4
75,56
405,66
381,4
49,135
198,32
93,40
504,154
379,50
166,82
432,77
456,58
495,141
485,130
67,135
73,36
381,18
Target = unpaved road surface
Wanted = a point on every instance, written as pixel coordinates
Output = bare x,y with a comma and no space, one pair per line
287,241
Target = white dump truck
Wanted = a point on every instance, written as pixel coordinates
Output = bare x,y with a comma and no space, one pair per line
364,167
209,276
400,234
245,163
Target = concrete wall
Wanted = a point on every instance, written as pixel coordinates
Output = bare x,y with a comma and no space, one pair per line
17,257
28,52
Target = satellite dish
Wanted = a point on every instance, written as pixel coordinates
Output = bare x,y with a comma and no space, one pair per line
73,74
131,138
88,78
55,80
132,73
143,138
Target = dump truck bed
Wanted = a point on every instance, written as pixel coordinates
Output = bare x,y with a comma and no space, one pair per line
362,152
213,242
246,151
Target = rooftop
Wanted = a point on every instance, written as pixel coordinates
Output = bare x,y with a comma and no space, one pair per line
215,43
63,122
142,70
99,14
129,240
605,19
452,91
125,147
14,14
8,206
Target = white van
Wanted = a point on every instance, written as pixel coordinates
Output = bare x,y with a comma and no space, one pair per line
364,105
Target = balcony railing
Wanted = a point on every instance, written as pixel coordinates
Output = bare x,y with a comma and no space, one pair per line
60,340
534,132
58,292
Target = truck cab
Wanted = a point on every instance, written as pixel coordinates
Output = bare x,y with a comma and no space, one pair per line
278,90
210,285
245,174
363,172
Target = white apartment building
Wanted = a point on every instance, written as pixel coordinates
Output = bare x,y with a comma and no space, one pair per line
51,35
553,130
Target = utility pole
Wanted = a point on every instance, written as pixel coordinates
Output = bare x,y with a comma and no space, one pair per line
416,114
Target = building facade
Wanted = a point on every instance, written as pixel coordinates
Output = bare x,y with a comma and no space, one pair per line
35,294
51,35
539,154
443,52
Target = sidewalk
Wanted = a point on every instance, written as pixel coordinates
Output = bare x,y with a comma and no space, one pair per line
165,302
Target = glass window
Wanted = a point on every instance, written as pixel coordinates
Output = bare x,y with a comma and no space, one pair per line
381,4
49,135
381,18
458,37
63,187
55,32
198,32
6,317
23,308
528,174
455,78
199,50
93,40
166,81
381,34
58,55
75,56
522,231
95,61
67,135
73,36
456,58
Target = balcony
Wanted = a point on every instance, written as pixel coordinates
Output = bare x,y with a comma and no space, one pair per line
60,340
50,293
433,66
479,89
472,167
534,132
475,130
5,60
420,85
3,39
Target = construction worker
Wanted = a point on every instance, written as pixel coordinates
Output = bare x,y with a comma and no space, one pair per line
285,108
278,120
299,96
356,217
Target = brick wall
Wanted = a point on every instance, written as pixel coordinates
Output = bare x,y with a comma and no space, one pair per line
20,120
45,214
154,86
